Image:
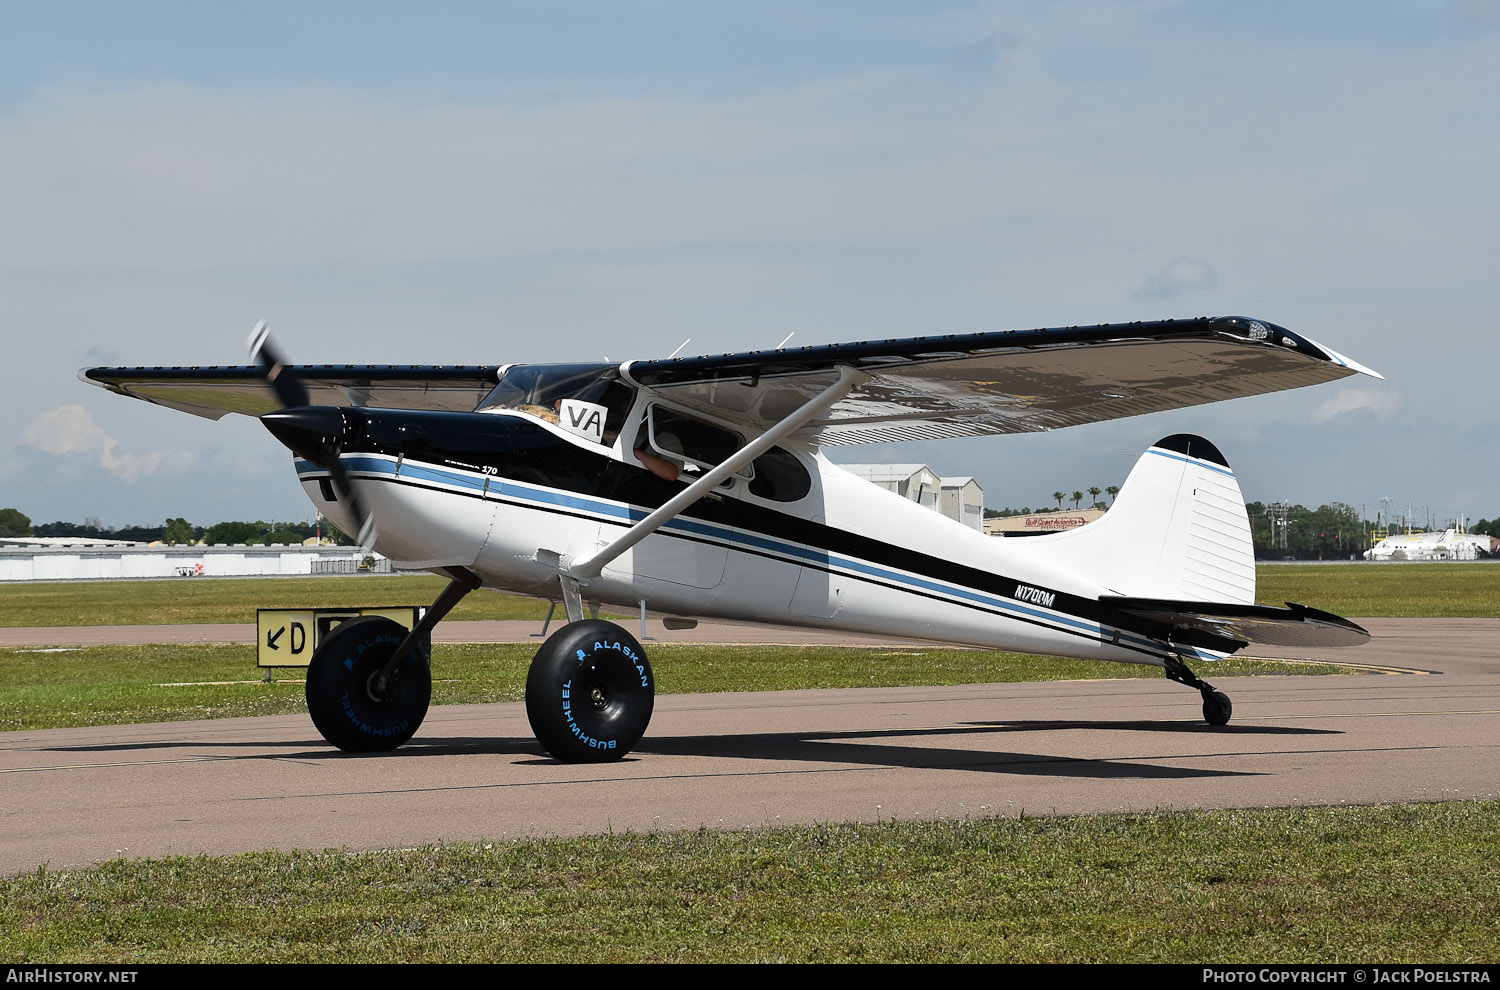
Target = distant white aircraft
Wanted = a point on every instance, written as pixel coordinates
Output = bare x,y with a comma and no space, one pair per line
696,487
1450,544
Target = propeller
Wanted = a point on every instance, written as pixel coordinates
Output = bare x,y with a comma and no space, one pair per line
314,432
279,375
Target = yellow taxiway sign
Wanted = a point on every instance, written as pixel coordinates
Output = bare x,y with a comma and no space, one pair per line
288,637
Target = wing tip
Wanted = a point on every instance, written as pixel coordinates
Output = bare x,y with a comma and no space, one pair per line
1348,362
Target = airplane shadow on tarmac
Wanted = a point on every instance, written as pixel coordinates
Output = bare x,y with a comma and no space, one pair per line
858,747
848,747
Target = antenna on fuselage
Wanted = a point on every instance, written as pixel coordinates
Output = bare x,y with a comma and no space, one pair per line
679,348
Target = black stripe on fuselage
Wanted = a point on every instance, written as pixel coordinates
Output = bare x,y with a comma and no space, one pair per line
1058,605
519,449
516,449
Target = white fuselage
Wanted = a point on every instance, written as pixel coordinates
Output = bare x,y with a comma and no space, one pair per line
846,556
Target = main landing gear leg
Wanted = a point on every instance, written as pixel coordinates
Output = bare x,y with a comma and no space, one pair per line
369,684
1216,705
590,691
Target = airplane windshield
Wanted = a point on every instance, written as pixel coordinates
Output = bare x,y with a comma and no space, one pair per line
541,389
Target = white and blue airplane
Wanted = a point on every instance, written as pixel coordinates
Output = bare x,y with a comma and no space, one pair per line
697,487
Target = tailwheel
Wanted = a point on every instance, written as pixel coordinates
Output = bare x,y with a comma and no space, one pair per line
1216,707
1216,704
590,692
345,697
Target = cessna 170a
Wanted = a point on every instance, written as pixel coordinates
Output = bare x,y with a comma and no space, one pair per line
697,487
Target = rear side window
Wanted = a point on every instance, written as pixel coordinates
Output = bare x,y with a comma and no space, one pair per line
780,476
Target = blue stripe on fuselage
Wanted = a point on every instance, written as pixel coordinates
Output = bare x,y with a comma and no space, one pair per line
613,512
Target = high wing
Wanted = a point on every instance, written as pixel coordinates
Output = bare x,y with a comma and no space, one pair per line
213,391
915,388
1009,381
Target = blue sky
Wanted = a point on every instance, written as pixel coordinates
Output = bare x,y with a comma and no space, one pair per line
490,182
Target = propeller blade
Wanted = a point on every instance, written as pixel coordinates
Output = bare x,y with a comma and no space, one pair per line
344,487
279,375
313,432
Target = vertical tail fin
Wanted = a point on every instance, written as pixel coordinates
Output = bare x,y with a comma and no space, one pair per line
1177,530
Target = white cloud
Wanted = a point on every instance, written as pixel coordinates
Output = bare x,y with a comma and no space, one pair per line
1381,403
1011,168
1182,275
69,431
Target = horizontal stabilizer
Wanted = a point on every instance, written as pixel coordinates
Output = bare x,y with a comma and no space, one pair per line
1214,625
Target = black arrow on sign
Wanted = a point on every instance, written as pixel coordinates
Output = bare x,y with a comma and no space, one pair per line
273,636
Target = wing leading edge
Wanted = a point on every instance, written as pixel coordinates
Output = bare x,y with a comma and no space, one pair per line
1009,381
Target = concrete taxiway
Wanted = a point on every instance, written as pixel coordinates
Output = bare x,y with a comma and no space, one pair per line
1422,725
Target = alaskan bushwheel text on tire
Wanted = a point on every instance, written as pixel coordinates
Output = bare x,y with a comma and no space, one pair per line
590,692
341,695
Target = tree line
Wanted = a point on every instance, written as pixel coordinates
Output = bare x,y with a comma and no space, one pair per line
1059,497
178,531
1329,532
1333,531
1487,527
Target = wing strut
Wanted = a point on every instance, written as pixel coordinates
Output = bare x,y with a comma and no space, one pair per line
585,568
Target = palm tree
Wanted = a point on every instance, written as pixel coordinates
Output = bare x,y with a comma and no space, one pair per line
1113,490
1094,494
1077,497
1059,496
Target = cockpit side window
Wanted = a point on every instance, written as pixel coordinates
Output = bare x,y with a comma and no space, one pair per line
670,443
588,400
691,443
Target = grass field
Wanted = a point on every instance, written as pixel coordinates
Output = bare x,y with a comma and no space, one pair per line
1398,590
1347,589
109,685
1323,885
116,685
192,600
1404,883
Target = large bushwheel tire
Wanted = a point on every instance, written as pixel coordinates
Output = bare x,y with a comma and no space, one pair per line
341,694
590,692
